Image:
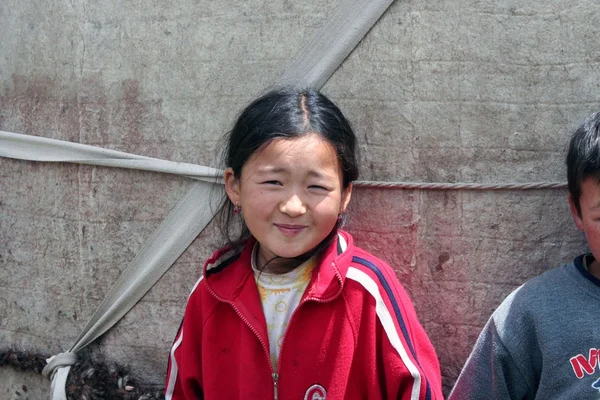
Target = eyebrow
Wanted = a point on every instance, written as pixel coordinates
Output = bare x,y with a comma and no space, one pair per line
270,170
278,170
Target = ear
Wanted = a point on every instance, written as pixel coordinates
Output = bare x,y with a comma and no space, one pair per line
232,186
575,214
346,195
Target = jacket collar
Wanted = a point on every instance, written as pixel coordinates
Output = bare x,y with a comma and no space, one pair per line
230,278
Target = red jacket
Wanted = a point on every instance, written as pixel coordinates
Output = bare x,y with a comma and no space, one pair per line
354,335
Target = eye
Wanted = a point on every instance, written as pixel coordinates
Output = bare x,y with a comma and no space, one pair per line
317,187
272,183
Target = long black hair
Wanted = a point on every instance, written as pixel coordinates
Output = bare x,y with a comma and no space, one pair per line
285,113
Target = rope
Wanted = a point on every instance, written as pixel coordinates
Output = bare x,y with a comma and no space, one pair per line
58,361
90,378
35,148
460,186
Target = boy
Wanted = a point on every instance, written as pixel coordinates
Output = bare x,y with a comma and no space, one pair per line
543,342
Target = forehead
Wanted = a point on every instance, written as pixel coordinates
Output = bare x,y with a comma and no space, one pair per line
590,190
307,151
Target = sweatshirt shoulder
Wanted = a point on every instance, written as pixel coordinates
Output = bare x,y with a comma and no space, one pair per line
534,299
547,284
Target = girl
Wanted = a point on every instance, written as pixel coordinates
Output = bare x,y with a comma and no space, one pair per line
292,309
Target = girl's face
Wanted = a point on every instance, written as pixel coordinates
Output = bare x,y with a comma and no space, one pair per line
290,192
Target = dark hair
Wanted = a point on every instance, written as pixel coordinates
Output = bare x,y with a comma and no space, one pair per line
583,158
285,113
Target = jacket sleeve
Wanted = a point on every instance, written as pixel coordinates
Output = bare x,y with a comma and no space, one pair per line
491,371
184,374
410,365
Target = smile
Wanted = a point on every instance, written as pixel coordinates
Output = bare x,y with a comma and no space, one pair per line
290,230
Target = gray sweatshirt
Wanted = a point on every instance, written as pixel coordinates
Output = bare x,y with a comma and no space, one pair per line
543,342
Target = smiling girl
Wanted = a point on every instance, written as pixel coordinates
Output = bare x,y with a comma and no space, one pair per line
290,308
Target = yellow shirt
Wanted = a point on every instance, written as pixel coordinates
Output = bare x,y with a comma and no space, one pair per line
280,294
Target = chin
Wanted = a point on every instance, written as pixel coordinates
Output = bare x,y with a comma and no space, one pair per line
290,251
289,254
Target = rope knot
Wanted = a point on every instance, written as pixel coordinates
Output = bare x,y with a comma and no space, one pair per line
65,359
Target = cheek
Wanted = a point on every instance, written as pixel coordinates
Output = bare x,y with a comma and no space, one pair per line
259,201
328,208
593,231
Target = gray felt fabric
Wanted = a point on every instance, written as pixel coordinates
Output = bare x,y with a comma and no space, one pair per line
313,65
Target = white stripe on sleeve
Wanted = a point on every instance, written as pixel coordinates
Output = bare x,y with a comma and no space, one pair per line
174,369
388,325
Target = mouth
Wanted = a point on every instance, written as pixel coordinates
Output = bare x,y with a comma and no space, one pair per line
289,229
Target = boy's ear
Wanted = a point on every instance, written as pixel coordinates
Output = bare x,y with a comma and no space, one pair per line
576,215
232,186
346,195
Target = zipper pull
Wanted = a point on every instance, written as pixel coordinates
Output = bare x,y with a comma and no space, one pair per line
275,378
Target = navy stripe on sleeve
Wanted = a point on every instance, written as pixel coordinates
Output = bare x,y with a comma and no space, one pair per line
397,312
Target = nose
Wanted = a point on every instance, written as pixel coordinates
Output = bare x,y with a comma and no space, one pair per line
293,206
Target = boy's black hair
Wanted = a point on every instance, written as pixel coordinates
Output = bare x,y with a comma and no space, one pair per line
285,113
583,158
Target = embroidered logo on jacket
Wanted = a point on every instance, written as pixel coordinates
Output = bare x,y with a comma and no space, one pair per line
315,392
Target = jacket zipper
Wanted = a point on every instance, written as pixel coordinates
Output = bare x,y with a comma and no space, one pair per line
294,313
274,375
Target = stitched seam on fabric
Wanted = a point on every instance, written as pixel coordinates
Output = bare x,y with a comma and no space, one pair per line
351,320
510,355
